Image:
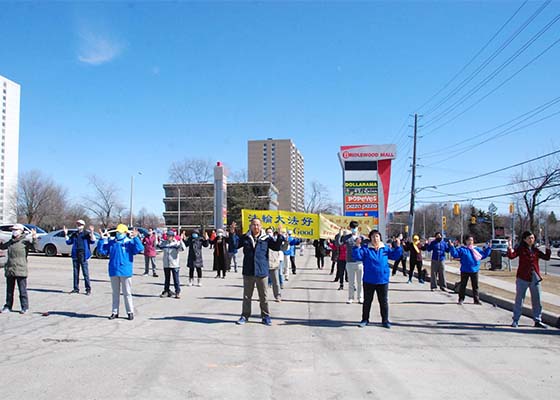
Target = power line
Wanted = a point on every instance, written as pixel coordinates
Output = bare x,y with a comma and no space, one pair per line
529,114
473,58
496,88
490,58
494,73
489,197
498,170
498,135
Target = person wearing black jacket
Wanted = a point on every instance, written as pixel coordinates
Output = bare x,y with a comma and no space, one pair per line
415,249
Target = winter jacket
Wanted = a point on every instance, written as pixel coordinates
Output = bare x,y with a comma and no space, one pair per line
438,249
293,242
232,241
409,247
121,254
255,253
335,251
85,238
171,249
528,260
149,243
221,256
195,251
320,250
350,241
468,262
16,266
376,262
274,258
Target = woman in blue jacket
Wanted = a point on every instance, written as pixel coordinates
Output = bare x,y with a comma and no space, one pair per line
375,257
470,257
121,251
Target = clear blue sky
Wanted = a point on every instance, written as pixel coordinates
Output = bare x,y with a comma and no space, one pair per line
116,88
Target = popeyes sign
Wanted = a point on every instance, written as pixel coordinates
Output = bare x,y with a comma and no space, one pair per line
368,153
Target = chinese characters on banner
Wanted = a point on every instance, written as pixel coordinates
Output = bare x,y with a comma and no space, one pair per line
307,226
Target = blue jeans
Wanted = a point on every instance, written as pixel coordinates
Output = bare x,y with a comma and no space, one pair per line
80,261
281,272
520,290
167,283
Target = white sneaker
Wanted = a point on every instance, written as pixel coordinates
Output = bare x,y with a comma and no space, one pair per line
146,274
199,284
190,282
350,301
5,310
361,301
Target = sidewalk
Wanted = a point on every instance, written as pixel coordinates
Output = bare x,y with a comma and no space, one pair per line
501,294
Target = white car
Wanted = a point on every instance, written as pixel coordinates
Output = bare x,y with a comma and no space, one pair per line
54,243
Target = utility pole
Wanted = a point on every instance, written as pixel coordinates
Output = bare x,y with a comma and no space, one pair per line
413,187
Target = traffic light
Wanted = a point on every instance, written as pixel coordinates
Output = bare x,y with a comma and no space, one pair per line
456,209
511,208
473,220
444,222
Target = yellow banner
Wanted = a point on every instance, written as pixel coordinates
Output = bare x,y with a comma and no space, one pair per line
367,224
328,228
302,225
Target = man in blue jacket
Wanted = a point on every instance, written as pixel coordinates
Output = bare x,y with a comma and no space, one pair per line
291,254
232,241
256,244
121,251
81,253
438,247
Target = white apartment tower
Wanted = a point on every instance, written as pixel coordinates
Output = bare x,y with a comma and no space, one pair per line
9,148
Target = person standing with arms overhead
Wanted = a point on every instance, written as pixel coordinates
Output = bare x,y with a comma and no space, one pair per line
438,247
290,254
375,256
233,240
171,247
81,253
256,245
121,251
401,260
470,257
354,267
15,269
195,243
150,243
415,250
221,256
528,276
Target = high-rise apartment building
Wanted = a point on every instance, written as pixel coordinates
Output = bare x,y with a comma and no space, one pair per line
9,148
281,163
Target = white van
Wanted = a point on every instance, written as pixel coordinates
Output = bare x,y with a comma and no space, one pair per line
499,244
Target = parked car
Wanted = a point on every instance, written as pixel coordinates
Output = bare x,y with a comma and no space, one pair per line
6,231
499,244
54,243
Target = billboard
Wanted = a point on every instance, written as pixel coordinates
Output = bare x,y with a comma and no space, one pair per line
366,180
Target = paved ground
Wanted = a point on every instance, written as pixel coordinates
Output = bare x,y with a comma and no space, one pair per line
190,348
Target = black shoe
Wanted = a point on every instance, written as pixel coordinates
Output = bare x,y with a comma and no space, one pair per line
341,288
539,324
294,272
155,275
74,291
113,316
130,316
88,292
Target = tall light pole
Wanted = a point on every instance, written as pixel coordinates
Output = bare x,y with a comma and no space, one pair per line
178,210
131,197
492,209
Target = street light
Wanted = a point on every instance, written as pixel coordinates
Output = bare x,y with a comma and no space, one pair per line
411,215
131,196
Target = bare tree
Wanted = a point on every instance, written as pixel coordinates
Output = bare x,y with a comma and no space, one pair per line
538,187
191,170
319,200
104,202
39,198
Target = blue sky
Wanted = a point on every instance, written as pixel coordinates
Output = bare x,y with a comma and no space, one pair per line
116,88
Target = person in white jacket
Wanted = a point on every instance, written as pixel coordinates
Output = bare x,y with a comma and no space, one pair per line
274,259
171,247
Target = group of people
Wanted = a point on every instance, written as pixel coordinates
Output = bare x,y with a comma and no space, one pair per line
268,256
